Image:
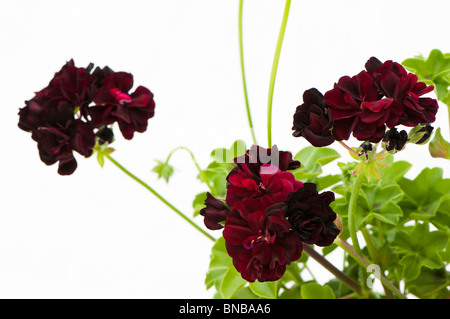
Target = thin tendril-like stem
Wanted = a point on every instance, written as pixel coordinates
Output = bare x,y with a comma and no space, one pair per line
273,74
154,192
201,172
244,83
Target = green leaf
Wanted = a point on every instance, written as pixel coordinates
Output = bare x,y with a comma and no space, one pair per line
434,70
267,290
420,248
223,155
199,203
221,272
231,283
312,159
394,171
217,173
163,170
291,293
377,202
315,291
324,182
431,283
425,193
438,146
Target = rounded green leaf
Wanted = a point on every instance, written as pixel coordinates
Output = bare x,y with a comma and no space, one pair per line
268,289
315,291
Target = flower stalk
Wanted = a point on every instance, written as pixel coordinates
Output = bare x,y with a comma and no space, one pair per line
162,199
332,269
273,74
244,83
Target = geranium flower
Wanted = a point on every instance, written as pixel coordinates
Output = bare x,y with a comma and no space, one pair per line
62,120
312,119
405,91
311,216
356,105
260,241
115,104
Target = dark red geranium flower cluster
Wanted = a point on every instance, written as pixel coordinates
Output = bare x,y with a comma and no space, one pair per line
268,214
382,96
62,120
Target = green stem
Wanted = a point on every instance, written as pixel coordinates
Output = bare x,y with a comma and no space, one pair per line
369,243
331,268
352,211
374,256
202,174
123,169
448,110
241,53
365,263
273,75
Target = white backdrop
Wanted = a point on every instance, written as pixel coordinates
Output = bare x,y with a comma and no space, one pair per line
98,234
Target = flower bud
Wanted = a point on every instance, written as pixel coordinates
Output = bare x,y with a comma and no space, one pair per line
394,141
365,151
420,134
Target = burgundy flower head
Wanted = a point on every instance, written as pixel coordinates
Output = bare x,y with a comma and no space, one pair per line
356,106
382,96
260,241
215,212
311,216
114,104
312,119
62,120
405,91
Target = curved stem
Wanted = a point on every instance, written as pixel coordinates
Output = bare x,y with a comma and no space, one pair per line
364,264
273,75
331,268
123,169
352,210
244,83
202,174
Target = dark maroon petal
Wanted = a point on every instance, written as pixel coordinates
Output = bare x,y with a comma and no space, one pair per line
343,128
82,137
67,166
214,213
317,140
311,216
260,240
312,119
372,64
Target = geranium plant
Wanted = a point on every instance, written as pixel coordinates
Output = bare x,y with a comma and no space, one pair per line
272,209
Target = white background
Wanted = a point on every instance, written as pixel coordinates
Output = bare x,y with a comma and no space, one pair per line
97,233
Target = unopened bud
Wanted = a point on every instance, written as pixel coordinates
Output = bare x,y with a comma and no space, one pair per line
394,141
420,134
